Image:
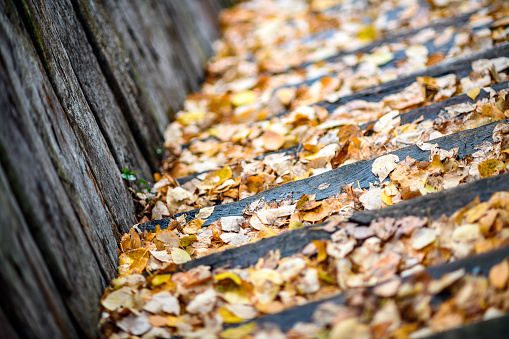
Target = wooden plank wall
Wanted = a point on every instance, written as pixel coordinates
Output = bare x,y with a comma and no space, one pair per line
86,89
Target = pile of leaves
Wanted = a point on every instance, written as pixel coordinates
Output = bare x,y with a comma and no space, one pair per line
267,115
200,301
414,308
408,178
326,141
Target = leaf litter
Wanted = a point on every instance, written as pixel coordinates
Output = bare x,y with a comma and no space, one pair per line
236,118
355,258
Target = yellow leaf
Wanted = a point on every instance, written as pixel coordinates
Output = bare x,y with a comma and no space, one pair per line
326,277
286,95
386,199
180,256
243,98
322,252
216,178
473,93
186,241
172,321
476,212
295,224
367,33
228,316
228,275
238,332
436,166
189,118
192,228
131,257
428,81
493,112
266,232
160,279
490,167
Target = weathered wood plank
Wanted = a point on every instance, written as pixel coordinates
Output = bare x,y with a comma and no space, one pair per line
95,88
58,67
476,264
397,36
461,66
29,301
121,74
51,178
294,241
7,329
358,172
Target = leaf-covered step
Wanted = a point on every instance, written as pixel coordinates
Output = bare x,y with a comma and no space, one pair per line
393,60
431,206
424,91
359,173
461,66
429,112
479,264
352,260
397,36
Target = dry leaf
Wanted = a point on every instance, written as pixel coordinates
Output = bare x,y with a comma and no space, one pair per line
384,165
499,275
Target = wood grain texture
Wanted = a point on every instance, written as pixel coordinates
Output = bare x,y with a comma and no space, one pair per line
69,122
65,84
93,83
117,64
29,301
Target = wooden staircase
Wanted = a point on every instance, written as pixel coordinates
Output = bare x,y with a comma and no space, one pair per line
338,180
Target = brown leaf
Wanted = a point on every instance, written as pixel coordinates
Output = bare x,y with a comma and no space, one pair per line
499,275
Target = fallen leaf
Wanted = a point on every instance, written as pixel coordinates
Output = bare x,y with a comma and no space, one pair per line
388,289
202,303
473,93
422,237
119,300
205,212
499,275
384,165
272,141
180,256
136,325
238,332
490,167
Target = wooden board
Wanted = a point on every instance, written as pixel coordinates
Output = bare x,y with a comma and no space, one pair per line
399,35
72,117
29,301
75,109
291,242
358,173
476,264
